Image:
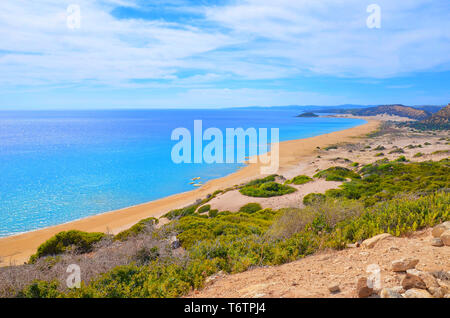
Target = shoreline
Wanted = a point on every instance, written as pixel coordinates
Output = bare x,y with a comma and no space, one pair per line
17,248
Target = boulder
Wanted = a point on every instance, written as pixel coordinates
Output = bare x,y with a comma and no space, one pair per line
362,288
441,228
417,293
402,265
371,242
445,237
389,293
436,241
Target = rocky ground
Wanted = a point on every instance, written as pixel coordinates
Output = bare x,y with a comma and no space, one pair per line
384,266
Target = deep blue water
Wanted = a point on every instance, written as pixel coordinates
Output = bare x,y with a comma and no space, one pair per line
59,166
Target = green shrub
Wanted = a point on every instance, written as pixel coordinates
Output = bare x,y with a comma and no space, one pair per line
397,217
41,289
380,154
136,229
181,212
401,159
204,208
397,150
313,198
379,148
80,242
250,208
383,180
267,189
213,213
298,180
337,174
417,155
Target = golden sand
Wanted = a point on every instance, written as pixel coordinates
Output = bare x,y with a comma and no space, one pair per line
18,248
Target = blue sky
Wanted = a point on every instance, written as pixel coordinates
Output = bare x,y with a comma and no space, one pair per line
217,53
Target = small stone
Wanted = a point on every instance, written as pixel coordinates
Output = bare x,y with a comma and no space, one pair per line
334,288
364,253
402,265
412,280
371,242
436,241
393,249
362,288
174,242
441,228
389,293
445,237
417,293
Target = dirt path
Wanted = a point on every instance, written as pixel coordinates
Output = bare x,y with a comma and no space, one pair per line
311,276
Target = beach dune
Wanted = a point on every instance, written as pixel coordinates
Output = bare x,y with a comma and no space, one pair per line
18,248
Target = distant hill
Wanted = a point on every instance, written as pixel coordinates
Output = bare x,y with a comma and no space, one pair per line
439,121
396,110
309,114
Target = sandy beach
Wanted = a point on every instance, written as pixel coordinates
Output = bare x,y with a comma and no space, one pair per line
18,248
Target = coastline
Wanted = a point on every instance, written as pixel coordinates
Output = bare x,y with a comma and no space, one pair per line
16,249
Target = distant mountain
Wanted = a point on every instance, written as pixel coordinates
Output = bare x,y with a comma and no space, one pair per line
438,121
396,110
429,108
308,114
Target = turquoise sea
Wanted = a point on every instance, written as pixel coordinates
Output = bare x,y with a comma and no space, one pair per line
59,166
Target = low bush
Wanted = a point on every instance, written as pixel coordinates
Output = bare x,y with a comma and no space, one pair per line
204,208
250,208
77,241
337,174
298,180
136,229
265,190
313,198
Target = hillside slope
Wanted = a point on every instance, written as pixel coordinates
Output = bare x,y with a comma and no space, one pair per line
396,110
313,275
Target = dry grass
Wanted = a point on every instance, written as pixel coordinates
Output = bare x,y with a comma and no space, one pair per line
106,255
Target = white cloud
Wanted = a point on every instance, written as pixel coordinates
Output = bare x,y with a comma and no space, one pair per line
253,39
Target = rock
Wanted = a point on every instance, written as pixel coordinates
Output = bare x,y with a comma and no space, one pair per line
334,288
441,228
393,249
362,288
417,293
427,278
389,293
402,265
412,280
445,237
436,241
398,289
438,292
370,243
174,242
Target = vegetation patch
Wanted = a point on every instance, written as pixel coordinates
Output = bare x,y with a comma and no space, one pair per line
337,174
136,229
298,180
250,208
77,241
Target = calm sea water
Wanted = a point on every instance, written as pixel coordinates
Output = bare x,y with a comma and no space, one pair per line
57,166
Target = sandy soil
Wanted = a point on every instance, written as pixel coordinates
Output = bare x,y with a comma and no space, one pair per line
311,276
233,200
